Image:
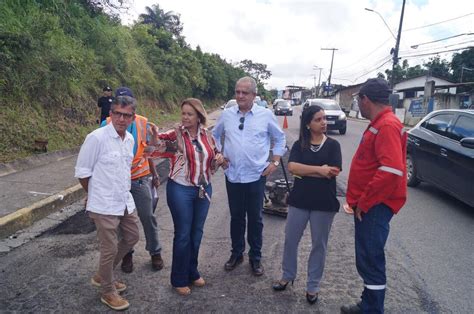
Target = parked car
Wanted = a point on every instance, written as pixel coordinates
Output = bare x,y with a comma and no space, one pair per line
229,104
275,102
336,118
440,151
283,108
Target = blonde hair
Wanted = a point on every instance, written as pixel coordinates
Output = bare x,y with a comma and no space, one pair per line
198,107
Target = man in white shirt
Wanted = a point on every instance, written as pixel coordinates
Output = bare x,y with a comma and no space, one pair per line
103,169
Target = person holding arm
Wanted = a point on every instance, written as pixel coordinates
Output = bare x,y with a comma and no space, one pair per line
194,158
315,161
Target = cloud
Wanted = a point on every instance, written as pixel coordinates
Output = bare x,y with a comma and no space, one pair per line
288,35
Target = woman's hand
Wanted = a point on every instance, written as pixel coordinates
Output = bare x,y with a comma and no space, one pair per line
329,172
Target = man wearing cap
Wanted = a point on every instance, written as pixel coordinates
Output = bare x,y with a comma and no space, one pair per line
103,169
104,103
144,180
376,191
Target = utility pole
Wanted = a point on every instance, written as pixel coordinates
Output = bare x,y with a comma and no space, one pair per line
397,46
330,71
315,67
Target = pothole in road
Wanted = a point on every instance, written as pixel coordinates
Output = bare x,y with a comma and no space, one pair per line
79,223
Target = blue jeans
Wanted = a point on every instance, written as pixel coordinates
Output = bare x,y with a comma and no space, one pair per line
189,214
370,237
246,199
142,195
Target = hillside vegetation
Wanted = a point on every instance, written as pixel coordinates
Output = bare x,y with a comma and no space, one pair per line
56,55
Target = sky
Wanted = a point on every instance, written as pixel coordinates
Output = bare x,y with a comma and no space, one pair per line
287,35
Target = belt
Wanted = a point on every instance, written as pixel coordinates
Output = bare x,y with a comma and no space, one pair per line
142,179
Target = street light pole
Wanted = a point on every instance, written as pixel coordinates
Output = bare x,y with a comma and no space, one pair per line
397,46
330,71
394,51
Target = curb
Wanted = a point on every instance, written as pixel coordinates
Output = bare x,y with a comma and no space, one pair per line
26,216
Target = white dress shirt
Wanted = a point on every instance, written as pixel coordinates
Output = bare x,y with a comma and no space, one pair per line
107,160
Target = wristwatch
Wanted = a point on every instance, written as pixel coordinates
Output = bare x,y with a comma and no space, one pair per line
276,163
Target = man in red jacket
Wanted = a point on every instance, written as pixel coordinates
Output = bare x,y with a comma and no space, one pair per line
376,191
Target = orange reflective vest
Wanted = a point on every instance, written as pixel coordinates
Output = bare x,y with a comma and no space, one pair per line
140,165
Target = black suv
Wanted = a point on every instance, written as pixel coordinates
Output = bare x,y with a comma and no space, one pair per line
440,151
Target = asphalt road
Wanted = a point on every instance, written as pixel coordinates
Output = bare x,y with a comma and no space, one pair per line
429,261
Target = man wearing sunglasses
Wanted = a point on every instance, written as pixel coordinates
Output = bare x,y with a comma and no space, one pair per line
246,132
144,180
103,169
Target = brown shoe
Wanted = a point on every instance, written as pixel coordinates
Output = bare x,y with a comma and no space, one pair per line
157,262
114,301
119,286
199,282
127,263
183,290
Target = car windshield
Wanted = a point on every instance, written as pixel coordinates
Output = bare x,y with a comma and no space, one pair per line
326,105
283,104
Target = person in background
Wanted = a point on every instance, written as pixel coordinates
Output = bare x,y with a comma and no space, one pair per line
246,131
315,161
104,103
376,190
103,169
144,178
193,160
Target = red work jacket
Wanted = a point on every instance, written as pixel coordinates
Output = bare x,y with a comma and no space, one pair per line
378,169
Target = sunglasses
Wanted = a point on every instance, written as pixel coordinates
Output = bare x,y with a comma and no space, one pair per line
241,125
197,145
122,114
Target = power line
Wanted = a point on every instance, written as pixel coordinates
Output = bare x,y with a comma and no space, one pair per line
363,58
438,47
436,23
434,41
436,52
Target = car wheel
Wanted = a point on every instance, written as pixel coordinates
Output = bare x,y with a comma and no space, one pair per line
343,131
412,180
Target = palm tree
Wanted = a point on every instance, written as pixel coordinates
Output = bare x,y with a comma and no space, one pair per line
160,19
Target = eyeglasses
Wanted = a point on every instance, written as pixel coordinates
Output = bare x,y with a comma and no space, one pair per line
122,114
241,125
197,145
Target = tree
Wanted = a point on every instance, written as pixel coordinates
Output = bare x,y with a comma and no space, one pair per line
256,70
438,67
160,19
462,65
381,75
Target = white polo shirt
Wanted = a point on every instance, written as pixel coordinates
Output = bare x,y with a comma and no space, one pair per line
107,160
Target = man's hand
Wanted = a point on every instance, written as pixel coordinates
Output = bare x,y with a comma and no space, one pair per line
269,170
358,213
155,181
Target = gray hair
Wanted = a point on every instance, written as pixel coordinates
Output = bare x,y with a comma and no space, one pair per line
251,80
124,101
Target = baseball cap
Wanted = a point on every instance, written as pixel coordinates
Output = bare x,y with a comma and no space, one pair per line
124,91
107,89
376,89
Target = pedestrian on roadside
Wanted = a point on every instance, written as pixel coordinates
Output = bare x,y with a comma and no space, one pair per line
315,161
189,190
104,103
246,131
103,168
144,179
376,191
